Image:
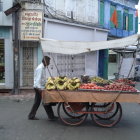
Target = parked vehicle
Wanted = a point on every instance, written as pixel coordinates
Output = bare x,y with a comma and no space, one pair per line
137,73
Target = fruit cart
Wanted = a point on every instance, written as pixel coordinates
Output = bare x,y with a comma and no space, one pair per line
103,105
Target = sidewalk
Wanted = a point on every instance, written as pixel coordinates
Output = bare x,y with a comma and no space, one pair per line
23,95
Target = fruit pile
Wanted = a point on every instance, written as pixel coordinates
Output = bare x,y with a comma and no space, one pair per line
65,83
125,81
62,83
90,86
99,80
120,87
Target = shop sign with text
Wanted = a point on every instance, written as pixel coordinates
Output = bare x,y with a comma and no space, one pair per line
31,25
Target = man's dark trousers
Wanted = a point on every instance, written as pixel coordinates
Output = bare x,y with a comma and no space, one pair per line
37,101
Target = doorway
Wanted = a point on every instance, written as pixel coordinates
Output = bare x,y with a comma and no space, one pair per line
28,62
2,62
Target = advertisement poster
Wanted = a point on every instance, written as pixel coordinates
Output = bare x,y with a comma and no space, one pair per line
31,25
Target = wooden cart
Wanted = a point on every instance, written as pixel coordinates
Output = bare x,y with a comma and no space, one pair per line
103,106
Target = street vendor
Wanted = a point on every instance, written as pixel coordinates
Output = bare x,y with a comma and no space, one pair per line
39,85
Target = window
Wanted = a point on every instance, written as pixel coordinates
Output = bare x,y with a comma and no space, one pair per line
125,19
113,58
2,62
101,20
130,22
136,21
1,6
136,24
112,8
119,18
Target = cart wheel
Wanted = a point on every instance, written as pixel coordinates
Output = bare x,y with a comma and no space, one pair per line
109,108
107,117
74,107
71,114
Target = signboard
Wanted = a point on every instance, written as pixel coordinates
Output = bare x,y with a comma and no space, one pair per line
31,25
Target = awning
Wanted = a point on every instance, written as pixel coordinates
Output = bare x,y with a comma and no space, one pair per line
74,47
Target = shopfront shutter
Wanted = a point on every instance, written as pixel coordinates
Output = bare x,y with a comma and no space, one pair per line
101,13
119,16
28,66
130,22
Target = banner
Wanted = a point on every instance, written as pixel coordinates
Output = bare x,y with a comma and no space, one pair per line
31,25
114,18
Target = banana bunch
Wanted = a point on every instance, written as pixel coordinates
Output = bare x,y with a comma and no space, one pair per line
73,83
50,85
51,79
99,80
62,83
61,78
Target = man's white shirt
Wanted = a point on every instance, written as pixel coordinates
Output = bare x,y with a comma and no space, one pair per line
40,77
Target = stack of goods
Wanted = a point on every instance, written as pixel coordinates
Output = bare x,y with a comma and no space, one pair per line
62,83
120,87
99,81
65,83
90,86
126,81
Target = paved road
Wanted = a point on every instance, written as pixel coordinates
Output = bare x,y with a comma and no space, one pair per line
14,125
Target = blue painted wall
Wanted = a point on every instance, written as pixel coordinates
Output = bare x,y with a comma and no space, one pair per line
115,31
4,32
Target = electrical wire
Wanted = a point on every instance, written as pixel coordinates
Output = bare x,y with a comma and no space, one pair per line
55,11
64,17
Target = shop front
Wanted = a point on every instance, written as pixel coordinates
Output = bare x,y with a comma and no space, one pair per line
30,32
6,58
2,62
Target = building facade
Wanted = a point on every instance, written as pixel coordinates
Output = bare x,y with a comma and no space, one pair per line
102,10
127,25
69,20
61,23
